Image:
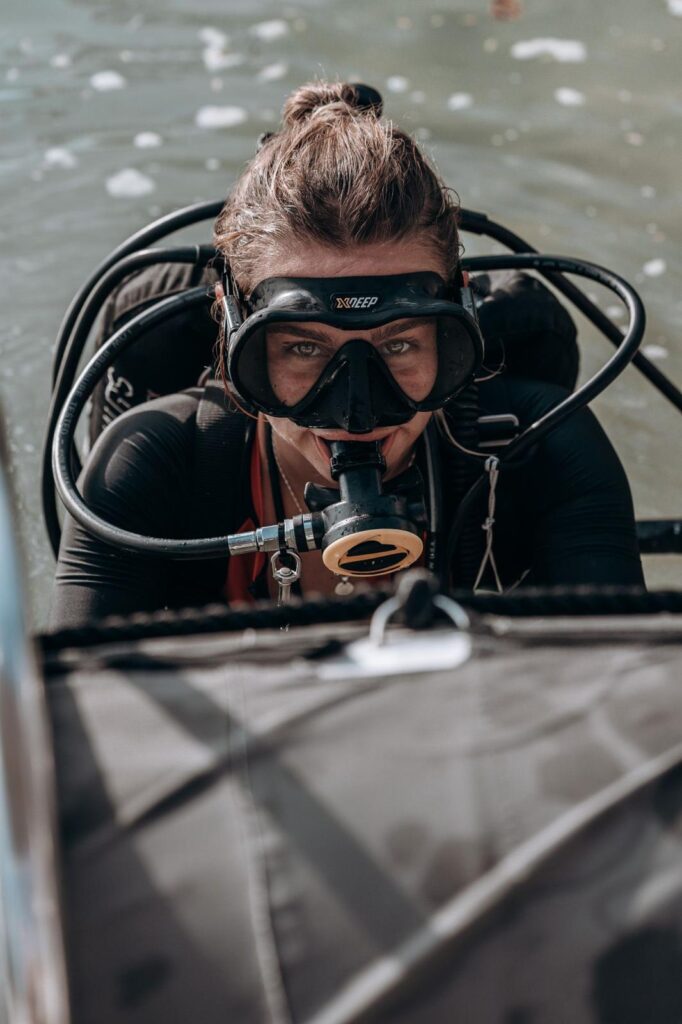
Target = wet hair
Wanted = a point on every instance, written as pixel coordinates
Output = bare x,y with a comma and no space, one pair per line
336,174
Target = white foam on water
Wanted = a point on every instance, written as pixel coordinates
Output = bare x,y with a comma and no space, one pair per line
106,81
460,101
213,37
268,31
129,183
273,72
634,139
648,191
566,51
569,97
675,7
655,352
60,60
12,74
218,60
397,83
212,164
655,267
219,117
57,156
418,96
147,140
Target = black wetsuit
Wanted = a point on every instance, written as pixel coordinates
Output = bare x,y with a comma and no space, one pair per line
564,517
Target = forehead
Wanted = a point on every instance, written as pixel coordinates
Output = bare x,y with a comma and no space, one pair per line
311,259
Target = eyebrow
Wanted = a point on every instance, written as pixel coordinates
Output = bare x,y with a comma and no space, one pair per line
389,330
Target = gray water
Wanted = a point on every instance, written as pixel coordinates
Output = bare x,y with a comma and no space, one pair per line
564,124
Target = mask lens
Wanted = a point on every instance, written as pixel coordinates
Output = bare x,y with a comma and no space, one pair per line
286,364
459,355
297,356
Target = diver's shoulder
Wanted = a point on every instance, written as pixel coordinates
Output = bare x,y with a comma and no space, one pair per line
523,396
151,427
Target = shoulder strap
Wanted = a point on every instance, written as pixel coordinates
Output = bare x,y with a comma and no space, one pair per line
221,453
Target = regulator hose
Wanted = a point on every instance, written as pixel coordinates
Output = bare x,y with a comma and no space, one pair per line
72,350
590,389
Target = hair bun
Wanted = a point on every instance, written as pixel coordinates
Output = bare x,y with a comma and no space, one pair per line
303,103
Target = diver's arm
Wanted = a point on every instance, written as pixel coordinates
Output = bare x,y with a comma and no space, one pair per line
137,477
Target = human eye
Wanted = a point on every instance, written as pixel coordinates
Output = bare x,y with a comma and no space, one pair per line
305,349
396,347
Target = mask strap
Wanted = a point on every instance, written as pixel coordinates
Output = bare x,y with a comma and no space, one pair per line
231,302
459,281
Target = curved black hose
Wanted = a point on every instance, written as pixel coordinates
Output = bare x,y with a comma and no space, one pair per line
206,547
479,224
73,350
589,390
158,229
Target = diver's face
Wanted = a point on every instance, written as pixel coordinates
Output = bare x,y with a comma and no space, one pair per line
297,353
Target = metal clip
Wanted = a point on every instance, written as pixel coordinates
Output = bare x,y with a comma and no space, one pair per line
284,575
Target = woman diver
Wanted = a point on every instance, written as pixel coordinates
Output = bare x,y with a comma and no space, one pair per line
343,314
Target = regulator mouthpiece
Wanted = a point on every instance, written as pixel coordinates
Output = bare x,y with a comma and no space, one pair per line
368,532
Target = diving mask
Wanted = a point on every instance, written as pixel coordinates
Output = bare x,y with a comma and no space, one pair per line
418,349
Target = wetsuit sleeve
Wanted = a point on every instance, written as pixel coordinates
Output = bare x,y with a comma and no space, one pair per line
138,477
574,498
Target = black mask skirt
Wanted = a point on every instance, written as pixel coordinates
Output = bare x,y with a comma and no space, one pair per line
423,349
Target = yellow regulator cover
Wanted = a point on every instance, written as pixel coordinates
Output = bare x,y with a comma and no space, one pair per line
398,547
